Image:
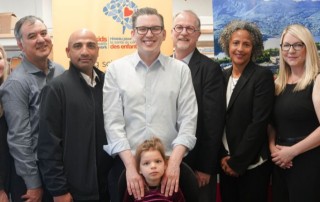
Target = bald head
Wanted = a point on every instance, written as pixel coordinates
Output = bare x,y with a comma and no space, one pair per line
83,50
80,34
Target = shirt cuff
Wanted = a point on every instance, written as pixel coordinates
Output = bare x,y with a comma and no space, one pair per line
32,181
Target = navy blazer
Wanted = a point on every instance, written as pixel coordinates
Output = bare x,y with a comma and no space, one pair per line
247,116
208,84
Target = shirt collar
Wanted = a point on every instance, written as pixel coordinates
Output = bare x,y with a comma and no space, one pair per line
187,58
32,69
88,80
137,60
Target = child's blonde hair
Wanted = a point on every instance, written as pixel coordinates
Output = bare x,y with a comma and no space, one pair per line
152,144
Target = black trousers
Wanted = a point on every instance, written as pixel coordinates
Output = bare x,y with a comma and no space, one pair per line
249,187
113,178
208,193
299,183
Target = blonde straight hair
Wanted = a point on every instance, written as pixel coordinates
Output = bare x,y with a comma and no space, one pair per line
311,67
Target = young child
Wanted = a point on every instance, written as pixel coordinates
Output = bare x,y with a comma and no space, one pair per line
151,163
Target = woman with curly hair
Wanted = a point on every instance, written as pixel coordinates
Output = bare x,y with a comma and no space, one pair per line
245,167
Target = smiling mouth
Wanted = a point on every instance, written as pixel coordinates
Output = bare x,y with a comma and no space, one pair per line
42,47
148,42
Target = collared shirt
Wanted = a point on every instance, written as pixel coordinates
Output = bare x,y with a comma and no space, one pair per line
187,58
20,96
140,102
91,82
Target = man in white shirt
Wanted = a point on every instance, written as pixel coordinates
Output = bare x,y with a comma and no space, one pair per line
148,94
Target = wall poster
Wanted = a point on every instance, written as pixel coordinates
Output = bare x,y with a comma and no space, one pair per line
271,16
110,20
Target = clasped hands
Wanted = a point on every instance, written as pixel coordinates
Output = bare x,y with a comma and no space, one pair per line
226,168
282,156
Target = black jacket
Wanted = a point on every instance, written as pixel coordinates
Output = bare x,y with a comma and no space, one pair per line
4,155
247,116
208,84
71,137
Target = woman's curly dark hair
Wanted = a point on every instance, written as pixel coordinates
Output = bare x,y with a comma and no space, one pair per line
254,31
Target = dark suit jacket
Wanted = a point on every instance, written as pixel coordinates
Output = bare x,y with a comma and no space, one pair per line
208,84
4,155
247,116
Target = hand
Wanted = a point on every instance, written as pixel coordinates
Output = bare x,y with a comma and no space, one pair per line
273,148
283,157
203,178
3,196
33,195
170,179
63,198
226,168
135,183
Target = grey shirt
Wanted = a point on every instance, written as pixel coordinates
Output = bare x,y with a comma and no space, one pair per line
20,96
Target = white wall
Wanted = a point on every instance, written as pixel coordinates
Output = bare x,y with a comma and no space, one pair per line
200,7
21,8
40,8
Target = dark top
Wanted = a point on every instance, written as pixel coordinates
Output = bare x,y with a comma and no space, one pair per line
294,113
208,84
247,117
155,195
71,137
4,155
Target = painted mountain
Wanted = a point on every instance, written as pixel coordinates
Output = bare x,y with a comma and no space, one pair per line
272,16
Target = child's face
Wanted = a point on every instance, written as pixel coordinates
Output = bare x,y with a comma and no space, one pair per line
152,167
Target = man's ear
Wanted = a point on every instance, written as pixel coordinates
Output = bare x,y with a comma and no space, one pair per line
164,34
132,35
19,43
67,51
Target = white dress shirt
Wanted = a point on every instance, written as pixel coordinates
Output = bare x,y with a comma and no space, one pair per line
140,102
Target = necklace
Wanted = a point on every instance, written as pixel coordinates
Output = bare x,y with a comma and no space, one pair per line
234,82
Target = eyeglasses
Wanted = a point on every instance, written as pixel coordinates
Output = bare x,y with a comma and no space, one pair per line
154,30
189,29
296,46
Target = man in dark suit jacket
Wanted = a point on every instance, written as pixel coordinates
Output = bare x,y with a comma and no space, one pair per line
209,88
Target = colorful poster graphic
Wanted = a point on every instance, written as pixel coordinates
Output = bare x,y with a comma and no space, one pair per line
110,20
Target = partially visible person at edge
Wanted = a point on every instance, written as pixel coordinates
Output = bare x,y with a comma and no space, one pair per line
151,164
20,96
294,137
71,137
209,88
245,168
4,150
147,93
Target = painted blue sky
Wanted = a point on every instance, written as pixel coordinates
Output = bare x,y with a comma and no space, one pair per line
272,16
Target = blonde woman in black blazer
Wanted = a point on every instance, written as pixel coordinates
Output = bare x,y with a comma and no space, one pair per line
245,169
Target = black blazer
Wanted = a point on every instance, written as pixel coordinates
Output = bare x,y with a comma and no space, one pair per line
247,116
208,84
4,155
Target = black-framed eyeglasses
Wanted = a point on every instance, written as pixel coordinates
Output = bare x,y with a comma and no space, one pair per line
296,46
144,30
189,29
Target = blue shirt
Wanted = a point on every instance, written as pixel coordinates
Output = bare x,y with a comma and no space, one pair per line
140,102
20,96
